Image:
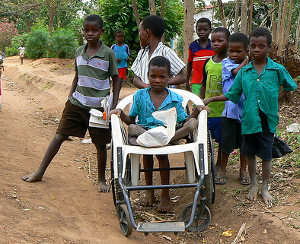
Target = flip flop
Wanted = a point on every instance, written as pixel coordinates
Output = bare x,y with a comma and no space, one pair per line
220,180
244,180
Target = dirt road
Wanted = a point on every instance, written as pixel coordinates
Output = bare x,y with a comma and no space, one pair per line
66,207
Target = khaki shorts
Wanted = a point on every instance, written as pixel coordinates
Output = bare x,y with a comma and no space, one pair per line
75,122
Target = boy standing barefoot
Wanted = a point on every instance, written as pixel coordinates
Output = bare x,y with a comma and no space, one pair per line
95,64
260,82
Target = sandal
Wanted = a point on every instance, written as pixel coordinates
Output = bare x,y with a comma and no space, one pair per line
220,180
244,180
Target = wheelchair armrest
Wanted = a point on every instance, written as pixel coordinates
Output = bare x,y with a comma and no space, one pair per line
116,131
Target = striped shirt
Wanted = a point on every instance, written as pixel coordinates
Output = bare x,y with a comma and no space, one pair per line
140,65
198,55
93,76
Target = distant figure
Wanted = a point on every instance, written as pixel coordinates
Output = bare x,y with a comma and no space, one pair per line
22,51
122,54
1,69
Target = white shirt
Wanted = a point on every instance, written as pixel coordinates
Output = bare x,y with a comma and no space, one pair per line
140,64
22,50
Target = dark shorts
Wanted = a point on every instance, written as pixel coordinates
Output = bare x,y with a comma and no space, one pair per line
215,127
231,135
75,122
259,144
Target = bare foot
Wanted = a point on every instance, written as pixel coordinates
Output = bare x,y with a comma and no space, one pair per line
268,199
32,177
252,195
102,187
149,198
220,177
164,205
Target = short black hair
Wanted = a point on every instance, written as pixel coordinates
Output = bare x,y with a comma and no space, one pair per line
119,32
240,38
204,20
94,18
154,23
160,61
222,29
262,31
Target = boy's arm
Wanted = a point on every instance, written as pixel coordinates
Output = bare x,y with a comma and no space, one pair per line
178,79
189,68
241,65
139,83
116,90
124,117
197,110
203,83
215,99
74,83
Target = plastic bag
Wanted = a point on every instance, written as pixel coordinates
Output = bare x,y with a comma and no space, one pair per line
161,135
280,148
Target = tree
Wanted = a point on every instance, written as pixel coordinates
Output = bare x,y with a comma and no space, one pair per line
7,33
188,27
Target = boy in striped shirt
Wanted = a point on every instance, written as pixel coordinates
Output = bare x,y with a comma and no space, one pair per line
95,64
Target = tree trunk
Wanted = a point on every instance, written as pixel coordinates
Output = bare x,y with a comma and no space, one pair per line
222,13
136,13
273,27
278,22
152,7
295,46
244,17
289,23
250,16
163,16
282,29
188,27
236,15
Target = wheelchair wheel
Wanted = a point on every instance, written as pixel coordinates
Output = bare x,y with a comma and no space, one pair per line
201,219
125,223
209,180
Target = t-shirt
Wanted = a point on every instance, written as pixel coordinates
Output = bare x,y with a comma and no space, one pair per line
198,55
140,65
93,76
261,93
22,50
122,53
212,79
143,108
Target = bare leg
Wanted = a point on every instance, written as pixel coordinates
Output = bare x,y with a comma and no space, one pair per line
133,132
219,158
148,164
187,128
221,174
252,195
101,159
266,170
52,150
164,205
244,178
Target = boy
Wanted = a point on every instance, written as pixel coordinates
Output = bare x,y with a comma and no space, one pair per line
199,51
260,82
22,51
145,102
95,64
231,117
122,54
151,30
212,85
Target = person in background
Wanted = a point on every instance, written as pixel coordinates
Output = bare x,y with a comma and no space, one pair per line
22,52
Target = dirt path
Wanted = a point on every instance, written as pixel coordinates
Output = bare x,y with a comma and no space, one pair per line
66,207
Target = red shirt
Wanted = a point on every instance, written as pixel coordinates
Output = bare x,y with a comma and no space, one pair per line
198,55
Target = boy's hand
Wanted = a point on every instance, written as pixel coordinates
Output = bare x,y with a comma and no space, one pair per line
188,87
116,111
206,101
201,107
118,60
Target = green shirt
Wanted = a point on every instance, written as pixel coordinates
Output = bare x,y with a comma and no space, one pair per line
213,74
93,76
261,93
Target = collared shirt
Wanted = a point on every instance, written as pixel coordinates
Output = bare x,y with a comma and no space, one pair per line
143,107
231,110
93,76
122,53
198,55
140,64
261,93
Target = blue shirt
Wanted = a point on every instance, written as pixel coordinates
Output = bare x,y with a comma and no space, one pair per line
122,53
231,110
261,93
143,107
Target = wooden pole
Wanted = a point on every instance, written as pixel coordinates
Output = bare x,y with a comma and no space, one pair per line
222,13
188,27
236,15
250,16
152,7
244,17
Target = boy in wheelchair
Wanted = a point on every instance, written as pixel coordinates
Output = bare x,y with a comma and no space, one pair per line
145,102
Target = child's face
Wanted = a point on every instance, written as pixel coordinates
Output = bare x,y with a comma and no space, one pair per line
219,42
237,52
203,30
259,47
92,31
120,37
158,77
144,36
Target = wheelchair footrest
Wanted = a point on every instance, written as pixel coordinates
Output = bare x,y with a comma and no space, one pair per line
161,227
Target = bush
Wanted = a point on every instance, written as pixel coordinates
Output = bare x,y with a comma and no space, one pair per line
7,32
16,42
37,42
63,44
